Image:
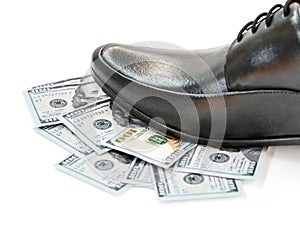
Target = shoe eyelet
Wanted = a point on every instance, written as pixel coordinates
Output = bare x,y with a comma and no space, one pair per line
284,16
286,10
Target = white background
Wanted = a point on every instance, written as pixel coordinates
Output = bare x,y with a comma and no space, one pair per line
45,41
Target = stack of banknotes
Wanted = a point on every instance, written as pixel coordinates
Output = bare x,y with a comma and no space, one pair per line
116,152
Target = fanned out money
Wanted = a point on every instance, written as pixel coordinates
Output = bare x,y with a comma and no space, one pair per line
94,122
114,151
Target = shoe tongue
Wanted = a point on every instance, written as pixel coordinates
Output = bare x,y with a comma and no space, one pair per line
267,59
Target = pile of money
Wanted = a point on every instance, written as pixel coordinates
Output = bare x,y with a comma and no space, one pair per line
115,152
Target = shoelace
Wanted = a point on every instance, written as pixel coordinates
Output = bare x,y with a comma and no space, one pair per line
253,25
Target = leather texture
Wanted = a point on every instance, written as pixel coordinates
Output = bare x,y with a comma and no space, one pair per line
268,59
239,95
177,70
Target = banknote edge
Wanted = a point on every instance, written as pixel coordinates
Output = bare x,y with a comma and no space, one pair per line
78,133
58,83
81,136
136,182
261,169
35,117
61,144
89,181
240,192
33,111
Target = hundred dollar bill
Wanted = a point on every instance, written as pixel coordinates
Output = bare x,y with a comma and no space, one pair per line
173,186
75,80
112,165
238,163
139,174
62,136
47,103
78,168
87,92
92,123
149,145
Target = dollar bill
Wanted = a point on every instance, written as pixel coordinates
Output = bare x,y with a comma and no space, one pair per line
149,145
87,92
92,123
65,138
47,103
112,165
139,174
238,163
173,186
78,168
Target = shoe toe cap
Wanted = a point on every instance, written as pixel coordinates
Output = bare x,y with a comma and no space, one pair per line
174,70
145,65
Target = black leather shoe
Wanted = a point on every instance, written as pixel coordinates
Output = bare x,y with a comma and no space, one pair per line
246,93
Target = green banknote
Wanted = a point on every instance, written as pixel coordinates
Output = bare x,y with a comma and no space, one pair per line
238,163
